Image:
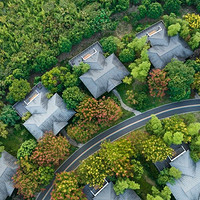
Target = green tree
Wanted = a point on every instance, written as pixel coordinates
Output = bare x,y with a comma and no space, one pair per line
121,185
140,72
9,116
181,77
155,10
164,194
26,149
175,173
1,148
154,149
54,79
138,44
72,97
3,131
142,11
193,129
70,80
111,44
127,55
194,64
128,80
169,175
66,186
196,83
174,29
154,126
195,41
46,175
18,90
81,69
64,44
178,138
172,6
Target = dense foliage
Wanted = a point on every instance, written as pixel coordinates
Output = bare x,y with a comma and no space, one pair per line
8,115
91,115
107,162
66,186
181,77
26,149
51,150
37,163
169,175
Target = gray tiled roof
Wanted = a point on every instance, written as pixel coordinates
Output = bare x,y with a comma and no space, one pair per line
164,48
129,195
7,170
188,186
104,80
47,115
107,193
104,73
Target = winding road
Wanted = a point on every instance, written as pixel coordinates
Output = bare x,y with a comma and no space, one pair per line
119,130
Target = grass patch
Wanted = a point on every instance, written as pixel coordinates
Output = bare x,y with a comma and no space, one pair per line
14,140
153,101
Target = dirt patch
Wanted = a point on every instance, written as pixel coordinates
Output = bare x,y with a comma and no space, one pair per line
122,29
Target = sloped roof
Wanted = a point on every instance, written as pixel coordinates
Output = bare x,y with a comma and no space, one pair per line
99,81
162,55
104,73
129,195
185,164
54,115
188,186
7,170
107,193
164,48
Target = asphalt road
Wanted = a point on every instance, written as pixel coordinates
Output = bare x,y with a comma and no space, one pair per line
119,130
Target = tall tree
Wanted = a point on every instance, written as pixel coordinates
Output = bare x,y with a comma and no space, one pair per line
18,90
8,115
51,150
181,77
66,186
154,126
155,10
172,6
157,82
72,96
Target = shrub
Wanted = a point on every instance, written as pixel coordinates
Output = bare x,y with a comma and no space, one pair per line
26,149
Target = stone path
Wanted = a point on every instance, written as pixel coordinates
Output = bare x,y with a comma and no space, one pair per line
116,93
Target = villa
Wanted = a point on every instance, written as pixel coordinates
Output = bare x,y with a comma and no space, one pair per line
164,48
46,114
7,170
104,73
188,186
107,193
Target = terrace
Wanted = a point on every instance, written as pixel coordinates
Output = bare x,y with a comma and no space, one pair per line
20,106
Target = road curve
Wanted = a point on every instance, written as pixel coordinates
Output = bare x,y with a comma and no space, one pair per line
119,130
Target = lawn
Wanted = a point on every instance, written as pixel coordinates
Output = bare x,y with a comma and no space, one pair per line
153,101
14,140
